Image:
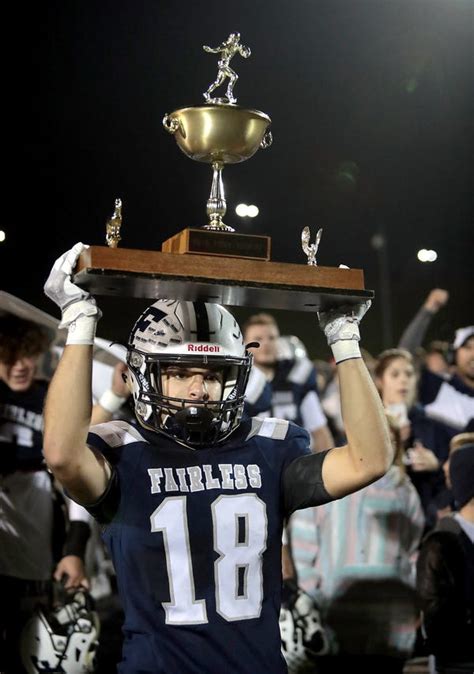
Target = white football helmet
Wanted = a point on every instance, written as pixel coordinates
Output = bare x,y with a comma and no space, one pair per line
64,640
302,634
194,334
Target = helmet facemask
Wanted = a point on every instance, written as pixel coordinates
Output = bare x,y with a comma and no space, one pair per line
189,421
64,639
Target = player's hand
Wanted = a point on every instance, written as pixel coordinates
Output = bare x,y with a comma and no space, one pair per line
73,301
71,572
342,323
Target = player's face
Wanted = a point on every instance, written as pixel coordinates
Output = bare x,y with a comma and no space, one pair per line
465,359
19,375
267,336
397,384
197,384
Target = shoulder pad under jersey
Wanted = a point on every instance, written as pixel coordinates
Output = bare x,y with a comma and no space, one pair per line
117,433
269,427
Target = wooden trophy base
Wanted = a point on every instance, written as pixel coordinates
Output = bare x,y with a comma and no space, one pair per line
229,281
225,244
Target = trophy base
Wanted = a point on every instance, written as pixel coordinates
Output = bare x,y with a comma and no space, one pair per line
223,244
123,272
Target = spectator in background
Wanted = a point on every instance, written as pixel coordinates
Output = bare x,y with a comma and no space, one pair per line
451,399
426,441
445,575
41,534
282,382
448,398
446,503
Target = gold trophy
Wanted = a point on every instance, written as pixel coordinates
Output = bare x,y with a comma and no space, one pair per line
219,133
213,263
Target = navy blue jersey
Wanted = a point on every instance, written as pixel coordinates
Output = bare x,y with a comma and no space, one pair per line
450,401
21,428
195,538
292,394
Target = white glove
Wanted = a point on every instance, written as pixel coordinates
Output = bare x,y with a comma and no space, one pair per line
79,310
341,327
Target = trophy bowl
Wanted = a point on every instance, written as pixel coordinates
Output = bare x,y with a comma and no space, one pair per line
226,134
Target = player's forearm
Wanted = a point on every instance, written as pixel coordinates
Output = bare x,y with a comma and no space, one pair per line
68,408
364,418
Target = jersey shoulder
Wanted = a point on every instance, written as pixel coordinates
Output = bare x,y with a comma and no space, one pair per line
276,429
112,436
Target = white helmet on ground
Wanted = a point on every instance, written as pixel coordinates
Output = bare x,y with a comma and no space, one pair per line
194,334
63,640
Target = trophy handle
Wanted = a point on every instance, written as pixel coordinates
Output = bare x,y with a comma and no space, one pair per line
171,124
267,140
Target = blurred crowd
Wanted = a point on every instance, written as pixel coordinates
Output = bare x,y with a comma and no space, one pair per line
372,580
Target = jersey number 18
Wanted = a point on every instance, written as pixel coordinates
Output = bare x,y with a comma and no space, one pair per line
239,526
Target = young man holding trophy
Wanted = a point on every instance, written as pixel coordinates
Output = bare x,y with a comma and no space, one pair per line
192,498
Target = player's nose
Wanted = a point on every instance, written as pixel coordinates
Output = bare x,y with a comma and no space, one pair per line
198,388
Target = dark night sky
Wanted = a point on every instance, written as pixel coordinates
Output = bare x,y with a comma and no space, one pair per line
372,118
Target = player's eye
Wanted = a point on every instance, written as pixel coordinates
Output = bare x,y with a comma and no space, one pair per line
176,373
214,377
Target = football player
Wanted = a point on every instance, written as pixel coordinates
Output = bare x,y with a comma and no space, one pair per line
192,498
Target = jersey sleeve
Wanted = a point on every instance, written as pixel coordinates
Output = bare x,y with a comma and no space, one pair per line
105,508
303,484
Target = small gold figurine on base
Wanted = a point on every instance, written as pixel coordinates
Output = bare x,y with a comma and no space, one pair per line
114,223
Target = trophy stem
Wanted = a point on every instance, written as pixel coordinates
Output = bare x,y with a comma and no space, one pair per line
216,204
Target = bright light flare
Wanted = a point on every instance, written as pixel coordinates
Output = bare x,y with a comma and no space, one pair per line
3,236
252,211
245,211
425,255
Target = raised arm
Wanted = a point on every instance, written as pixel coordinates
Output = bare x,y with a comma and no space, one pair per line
67,415
415,331
368,453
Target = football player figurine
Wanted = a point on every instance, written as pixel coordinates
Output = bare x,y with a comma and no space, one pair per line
192,497
227,49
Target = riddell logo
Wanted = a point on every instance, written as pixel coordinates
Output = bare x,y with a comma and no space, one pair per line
204,348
